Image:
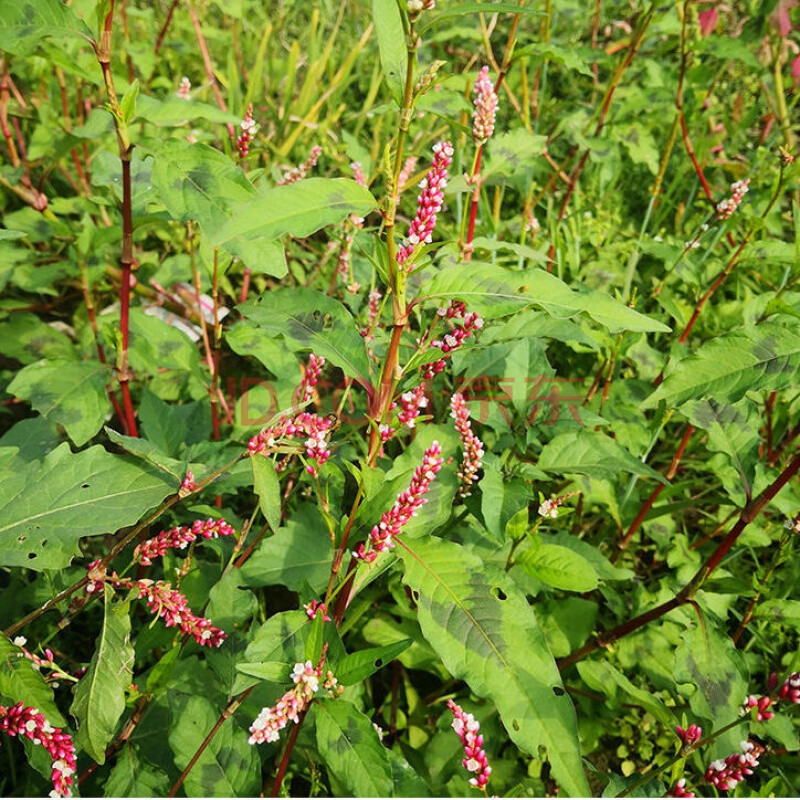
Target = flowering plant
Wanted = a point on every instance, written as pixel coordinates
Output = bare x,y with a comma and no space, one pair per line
398,406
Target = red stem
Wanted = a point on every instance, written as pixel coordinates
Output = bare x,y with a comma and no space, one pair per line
163,32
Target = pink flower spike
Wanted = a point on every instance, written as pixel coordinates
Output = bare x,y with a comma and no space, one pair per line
249,128
311,426
184,90
298,173
171,606
473,446
271,721
405,507
307,386
726,207
187,484
358,173
429,202
485,107
726,773
180,538
467,727
28,722
411,403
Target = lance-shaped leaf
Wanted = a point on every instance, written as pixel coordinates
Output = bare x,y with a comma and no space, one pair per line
392,45
497,647
592,453
352,750
133,777
71,393
47,507
494,291
24,24
100,694
766,356
310,321
299,209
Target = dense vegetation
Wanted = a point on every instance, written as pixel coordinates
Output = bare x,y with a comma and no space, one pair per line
372,372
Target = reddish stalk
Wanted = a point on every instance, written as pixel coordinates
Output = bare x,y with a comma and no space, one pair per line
226,714
654,495
769,407
747,515
201,42
165,27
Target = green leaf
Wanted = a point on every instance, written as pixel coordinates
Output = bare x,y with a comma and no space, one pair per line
476,8
70,393
708,660
310,321
558,567
127,107
20,682
591,453
352,750
494,291
603,677
392,45
733,430
763,357
296,553
497,647
24,24
228,767
131,776
268,489
360,665
100,694
560,55
229,603
46,508
27,338
299,209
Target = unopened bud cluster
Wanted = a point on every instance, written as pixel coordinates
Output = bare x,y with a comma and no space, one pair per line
474,761
316,607
691,735
760,704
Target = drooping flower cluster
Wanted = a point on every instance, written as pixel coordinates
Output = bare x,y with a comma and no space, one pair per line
271,721
180,538
405,173
249,127
311,426
164,601
298,173
467,727
373,310
410,405
679,790
26,721
307,386
691,735
171,606
483,115
790,691
473,446
316,607
429,202
761,704
405,507
465,324
726,773
343,260
726,207
184,90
